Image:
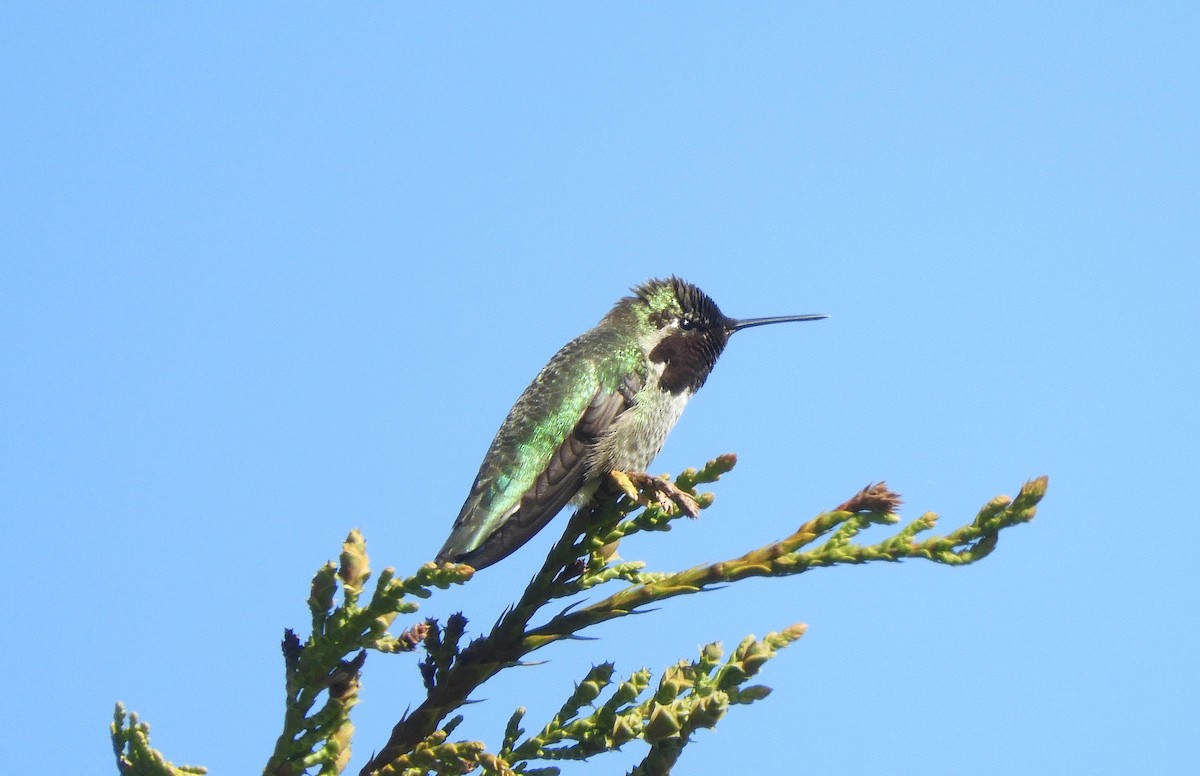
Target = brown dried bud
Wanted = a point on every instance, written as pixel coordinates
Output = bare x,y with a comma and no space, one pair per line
873,498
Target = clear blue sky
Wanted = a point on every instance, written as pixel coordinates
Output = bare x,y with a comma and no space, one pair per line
271,272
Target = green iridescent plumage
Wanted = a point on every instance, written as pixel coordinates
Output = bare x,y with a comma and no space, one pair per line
532,453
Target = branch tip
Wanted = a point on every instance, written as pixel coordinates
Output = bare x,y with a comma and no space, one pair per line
875,497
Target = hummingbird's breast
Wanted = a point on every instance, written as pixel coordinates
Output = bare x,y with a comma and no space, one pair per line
638,434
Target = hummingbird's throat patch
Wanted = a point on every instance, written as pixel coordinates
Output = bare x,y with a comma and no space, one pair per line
687,358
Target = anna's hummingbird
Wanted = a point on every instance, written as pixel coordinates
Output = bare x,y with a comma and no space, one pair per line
605,402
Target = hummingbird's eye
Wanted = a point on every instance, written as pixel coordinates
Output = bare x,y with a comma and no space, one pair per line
687,324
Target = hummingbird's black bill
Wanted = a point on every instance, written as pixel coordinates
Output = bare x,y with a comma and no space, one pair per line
745,323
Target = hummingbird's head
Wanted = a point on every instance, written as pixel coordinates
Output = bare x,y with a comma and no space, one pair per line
683,329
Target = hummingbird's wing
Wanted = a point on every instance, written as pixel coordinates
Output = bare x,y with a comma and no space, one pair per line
536,464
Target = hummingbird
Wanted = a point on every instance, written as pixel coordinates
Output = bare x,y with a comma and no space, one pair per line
604,403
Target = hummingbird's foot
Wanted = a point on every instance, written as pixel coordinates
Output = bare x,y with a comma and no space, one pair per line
667,496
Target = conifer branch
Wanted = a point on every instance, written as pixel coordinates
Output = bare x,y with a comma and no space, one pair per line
322,673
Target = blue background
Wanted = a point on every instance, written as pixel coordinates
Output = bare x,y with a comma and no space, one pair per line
271,272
